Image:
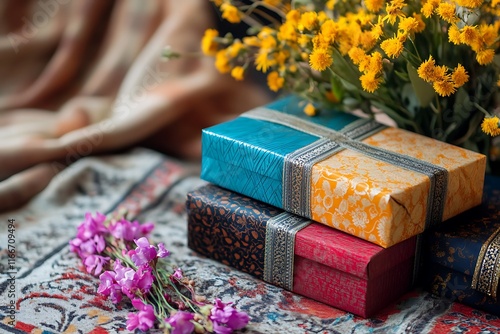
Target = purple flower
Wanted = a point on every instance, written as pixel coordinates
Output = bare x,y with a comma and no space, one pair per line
181,323
144,253
226,319
89,237
142,320
91,226
95,261
144,279
132,281
109,287
85,248
162,251
177,275
126,230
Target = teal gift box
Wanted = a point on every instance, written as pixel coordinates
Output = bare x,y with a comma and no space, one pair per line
379,183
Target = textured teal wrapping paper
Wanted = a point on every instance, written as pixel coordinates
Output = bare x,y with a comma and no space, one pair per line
247,155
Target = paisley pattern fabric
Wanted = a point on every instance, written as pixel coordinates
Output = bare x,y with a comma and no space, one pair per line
53,294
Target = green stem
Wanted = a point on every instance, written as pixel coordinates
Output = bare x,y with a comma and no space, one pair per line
481,109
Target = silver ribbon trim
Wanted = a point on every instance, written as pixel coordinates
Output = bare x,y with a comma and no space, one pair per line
279,248
298,164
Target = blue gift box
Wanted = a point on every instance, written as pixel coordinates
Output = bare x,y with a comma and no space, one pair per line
462,255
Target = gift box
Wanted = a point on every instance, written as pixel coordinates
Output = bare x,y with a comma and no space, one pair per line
305,257
462,255
379,183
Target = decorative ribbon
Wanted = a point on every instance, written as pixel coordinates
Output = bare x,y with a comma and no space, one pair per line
298,164
487,271
279,248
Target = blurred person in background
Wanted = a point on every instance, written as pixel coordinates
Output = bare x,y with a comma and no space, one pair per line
86,77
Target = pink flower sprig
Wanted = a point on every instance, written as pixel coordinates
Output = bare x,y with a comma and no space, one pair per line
119,253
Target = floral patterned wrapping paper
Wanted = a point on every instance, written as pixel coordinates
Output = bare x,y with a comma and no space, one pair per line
456,248
330,266
359,194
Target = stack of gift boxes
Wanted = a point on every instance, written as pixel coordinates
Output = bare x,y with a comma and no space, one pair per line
334,207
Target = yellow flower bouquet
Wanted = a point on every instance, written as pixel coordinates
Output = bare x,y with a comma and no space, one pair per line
432,66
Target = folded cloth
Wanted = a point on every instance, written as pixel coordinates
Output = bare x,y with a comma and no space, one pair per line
81,78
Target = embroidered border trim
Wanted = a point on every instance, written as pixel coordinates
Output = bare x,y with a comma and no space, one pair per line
487,271
279,248
297,171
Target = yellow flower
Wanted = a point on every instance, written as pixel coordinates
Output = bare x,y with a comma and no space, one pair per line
485,57
208,45
377,29
281,57
454,35
320,59
426,70
287,32
217,2
488,33
420,23
446,11
357,55
330,4
470,3
440,73
376,63
459,76
310,110
252,41
392,47
238,73
263,62
408,25
274,81
444,87
369,81
394,11
308,20
469,35
367,40
490,126
293,17
230,13
374,5
322,17
304,40
267,41
319,42
234,49
222,62
428,9
329,30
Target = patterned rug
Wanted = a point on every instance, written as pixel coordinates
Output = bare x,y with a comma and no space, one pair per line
46,290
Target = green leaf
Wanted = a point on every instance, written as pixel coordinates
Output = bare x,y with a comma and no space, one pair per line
402,75
337,88
344,69
399,119
423,90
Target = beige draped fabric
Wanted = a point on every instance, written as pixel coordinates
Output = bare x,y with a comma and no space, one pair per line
84,77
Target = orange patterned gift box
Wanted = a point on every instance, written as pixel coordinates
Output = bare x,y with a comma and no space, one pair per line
379,183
